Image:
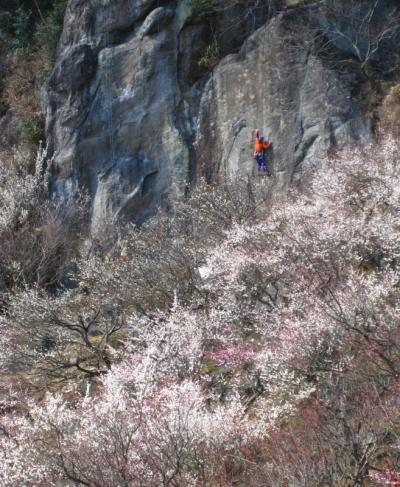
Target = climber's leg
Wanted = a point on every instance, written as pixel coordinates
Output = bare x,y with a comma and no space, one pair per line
261,163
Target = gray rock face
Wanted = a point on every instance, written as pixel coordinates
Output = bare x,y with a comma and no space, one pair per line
132,119
111,110
75,69
304,107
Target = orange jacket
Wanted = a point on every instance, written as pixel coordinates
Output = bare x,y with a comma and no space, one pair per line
260,146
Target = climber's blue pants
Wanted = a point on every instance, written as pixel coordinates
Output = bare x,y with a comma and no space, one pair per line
261,162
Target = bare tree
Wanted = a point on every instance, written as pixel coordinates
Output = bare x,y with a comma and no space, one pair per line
363,29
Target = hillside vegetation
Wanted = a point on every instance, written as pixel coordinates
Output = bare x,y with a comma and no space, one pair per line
243,342
29,34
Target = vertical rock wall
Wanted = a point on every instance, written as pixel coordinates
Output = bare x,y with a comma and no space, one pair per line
111,109
303,106
132,119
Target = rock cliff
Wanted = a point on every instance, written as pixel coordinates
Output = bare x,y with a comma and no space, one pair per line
146,96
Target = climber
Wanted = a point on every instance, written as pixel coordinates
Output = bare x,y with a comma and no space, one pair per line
259,147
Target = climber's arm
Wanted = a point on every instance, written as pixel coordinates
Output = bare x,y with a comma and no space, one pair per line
267,146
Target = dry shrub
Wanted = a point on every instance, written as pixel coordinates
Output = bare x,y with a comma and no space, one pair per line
37,251
23,83
37,240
